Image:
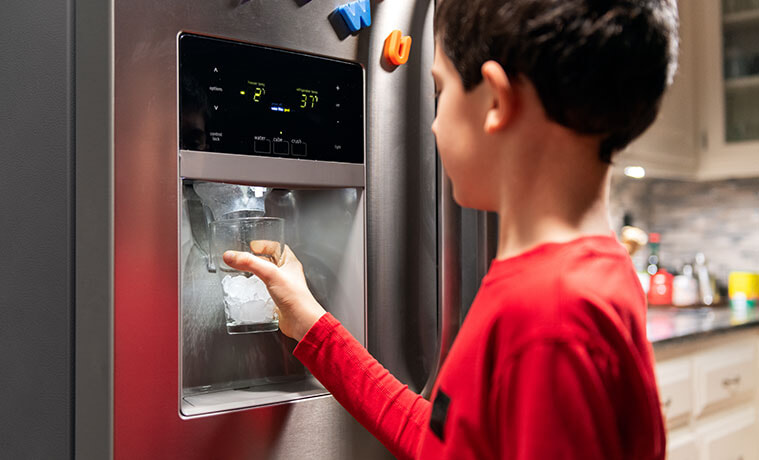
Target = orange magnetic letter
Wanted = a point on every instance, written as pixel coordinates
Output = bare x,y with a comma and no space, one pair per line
397,48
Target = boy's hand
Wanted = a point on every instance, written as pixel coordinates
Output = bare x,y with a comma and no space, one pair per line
298,309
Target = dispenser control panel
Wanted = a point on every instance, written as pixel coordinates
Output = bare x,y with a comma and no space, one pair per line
253,100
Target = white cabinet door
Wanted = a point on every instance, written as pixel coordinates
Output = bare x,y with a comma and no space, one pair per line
725,375
668,148
675,385
682,446
719,158
734,437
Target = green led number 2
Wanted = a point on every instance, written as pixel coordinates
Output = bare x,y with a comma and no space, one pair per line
258,93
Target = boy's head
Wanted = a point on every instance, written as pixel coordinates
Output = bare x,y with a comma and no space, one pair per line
597,68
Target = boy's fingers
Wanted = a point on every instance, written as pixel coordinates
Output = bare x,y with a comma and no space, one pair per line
271,249
287,255
248,262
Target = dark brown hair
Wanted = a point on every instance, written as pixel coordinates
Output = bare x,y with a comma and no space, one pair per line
600,67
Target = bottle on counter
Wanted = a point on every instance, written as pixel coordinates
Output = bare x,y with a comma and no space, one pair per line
660,292
653,257
634,238
685,288
660,289
707,284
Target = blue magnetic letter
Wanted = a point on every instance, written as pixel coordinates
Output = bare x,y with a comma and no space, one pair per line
356,14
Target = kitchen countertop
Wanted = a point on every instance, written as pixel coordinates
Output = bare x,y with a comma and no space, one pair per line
667,325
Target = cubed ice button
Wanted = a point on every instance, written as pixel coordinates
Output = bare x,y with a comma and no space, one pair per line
281,148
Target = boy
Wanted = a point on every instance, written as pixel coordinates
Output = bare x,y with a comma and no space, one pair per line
552,361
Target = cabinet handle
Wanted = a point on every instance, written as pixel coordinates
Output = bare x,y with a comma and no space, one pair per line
728,382
666,403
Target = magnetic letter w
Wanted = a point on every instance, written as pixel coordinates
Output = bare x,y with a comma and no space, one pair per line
356,14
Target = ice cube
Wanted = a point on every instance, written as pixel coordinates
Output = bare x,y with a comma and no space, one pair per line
247,300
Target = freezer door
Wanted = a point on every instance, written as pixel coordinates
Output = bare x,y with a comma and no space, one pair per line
400,205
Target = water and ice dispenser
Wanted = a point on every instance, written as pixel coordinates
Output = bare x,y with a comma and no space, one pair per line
265,134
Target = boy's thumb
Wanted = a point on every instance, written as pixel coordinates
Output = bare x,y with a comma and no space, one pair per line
245,261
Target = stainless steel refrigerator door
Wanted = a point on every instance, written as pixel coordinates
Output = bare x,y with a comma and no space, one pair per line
402,252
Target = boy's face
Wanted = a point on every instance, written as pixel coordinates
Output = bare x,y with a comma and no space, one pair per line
461,139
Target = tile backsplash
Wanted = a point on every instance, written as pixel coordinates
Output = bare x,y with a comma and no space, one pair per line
719,218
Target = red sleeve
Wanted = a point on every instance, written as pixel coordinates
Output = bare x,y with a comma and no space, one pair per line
550,402
387,408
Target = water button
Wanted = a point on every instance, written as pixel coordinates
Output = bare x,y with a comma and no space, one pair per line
281,147
300,150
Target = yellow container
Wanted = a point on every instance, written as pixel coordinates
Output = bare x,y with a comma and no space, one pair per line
743,289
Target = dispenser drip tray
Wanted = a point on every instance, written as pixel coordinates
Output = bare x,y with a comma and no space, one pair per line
257,396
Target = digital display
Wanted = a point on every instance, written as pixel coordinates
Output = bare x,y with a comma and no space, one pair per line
253,100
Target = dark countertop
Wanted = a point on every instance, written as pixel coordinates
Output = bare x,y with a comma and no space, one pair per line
667,325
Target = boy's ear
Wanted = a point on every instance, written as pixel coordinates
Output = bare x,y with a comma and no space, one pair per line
502,97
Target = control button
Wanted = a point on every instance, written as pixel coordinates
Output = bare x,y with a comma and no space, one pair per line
281,147
214,75
216,135
300,150
262,146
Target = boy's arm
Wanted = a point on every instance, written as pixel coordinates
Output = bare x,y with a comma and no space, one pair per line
550,402
388,409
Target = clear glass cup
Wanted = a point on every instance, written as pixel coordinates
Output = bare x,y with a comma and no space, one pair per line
248,307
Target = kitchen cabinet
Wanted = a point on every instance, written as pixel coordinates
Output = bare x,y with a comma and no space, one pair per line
708,126
728,71
731,437
682,446
675,390
710,396
724,375
668,148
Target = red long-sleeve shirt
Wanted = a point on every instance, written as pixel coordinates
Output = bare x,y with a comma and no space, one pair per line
552,362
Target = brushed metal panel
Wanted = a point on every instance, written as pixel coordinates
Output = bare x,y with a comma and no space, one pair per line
402,193
401,221
94,231
37,204
340,437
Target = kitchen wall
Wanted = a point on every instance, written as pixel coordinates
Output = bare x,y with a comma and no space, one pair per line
720,219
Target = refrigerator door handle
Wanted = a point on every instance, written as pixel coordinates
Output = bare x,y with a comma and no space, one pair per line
449,274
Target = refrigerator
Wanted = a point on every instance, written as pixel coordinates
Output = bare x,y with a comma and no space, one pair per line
146,371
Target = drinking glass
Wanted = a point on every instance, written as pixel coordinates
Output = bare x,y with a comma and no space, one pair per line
248,307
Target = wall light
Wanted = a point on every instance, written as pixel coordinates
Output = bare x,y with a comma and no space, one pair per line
636,172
